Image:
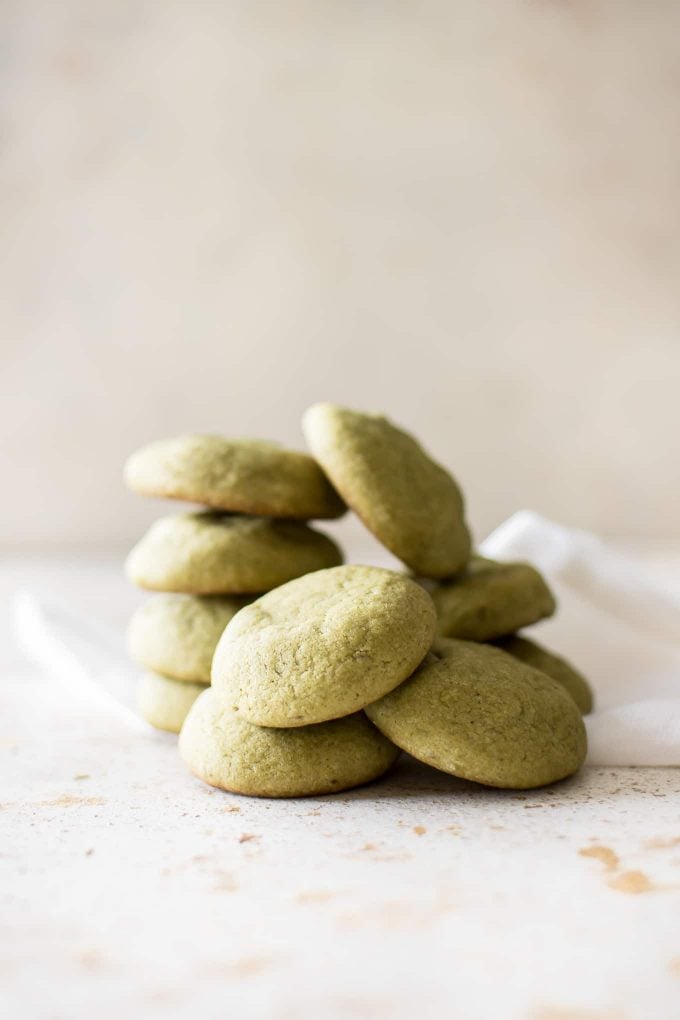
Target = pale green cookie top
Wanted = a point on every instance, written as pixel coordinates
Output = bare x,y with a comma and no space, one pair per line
223,554
165,703
410,503
478,713
176,634
490,600
555,666
224,750
323,646
250,476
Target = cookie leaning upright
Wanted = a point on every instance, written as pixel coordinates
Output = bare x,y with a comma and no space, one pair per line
410,503
248,476
322,646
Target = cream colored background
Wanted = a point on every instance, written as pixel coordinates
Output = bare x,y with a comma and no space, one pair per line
464,214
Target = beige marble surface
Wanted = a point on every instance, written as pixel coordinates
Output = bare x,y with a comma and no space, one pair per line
129,888
465,214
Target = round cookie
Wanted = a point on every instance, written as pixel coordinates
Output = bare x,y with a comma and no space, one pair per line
223,554
323,646
476,712
224,750
249,476
411,504
553,665
176,635
491,600
164,702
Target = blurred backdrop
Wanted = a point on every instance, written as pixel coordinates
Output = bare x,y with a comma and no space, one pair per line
463,214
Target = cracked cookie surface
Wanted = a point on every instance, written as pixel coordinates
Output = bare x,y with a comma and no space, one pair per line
491,600
323,646
476,712
224,750
249,476
551,664
209,553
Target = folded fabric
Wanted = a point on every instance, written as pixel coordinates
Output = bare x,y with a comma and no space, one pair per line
87,660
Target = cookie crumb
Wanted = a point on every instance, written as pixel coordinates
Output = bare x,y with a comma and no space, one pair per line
315,896
662,843
604,854
631,882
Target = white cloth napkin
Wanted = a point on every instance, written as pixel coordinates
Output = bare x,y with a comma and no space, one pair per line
88,660
617,622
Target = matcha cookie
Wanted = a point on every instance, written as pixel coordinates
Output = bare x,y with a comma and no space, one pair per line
224,750
476,712
176,634
559,669
491,600
223,554
249,476
411,504
164,702
323,646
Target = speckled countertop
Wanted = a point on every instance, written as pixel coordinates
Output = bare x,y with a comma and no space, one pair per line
129,888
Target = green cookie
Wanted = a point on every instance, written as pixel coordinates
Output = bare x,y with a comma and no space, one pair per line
165,703
249,476
323,646
478,713
176,634
491,600
224,750
556,667
222,554
410,503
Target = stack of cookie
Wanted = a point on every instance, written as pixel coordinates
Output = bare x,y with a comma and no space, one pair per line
250,538
319,683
